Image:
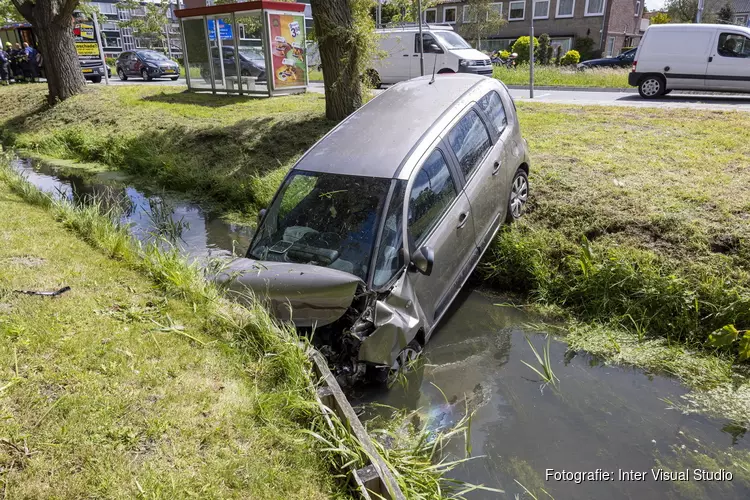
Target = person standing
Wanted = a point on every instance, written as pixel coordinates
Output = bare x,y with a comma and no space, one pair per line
16,63
4,67
31,70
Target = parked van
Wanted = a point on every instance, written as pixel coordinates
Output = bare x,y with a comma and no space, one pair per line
713,57
444,50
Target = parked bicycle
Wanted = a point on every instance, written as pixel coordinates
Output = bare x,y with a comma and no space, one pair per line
509,63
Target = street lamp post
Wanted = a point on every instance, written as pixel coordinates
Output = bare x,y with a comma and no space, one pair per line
421,42
98,31
531,56
700,12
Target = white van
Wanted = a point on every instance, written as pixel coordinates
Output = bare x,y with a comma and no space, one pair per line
444,50
714,57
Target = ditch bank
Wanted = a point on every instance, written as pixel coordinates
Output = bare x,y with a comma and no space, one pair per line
598,416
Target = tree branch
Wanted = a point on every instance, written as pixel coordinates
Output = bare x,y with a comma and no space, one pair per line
67,8
25,8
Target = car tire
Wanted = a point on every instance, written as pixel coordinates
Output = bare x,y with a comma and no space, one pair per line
122,75
519,196
174,78
96,79
667,91
403,362
146,77
651,86
445,71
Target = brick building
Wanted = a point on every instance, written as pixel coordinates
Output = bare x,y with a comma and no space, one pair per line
611,24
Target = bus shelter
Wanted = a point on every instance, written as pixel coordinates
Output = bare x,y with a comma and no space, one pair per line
255,48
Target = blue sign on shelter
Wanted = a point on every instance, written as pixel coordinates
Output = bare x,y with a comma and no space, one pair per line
225,30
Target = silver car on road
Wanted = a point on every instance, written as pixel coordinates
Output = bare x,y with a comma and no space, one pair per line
377,227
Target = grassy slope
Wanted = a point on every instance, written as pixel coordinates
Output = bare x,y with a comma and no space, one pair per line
234,150
107,404
556,77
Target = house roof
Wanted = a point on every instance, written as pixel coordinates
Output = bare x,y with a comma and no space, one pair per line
741,6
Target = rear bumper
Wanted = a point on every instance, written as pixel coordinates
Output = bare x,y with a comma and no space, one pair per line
633,78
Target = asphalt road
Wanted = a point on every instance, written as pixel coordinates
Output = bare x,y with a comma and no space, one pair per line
720,102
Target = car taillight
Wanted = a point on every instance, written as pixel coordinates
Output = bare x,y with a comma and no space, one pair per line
635,63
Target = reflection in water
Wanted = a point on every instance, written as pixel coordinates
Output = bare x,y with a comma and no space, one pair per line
601,417
197,232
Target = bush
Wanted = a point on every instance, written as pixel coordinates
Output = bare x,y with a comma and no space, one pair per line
504,54
110,61
571,57
543,52
625,49
521,47
584,46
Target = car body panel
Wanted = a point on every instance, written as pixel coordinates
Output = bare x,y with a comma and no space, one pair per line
624,60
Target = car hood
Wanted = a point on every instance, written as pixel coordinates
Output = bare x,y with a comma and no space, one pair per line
472,54
603,60
305,294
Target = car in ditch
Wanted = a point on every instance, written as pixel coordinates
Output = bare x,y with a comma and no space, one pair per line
377,227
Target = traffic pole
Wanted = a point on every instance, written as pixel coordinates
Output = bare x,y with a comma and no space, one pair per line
421,41
98,31
531,57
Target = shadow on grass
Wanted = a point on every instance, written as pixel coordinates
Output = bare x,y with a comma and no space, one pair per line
208,100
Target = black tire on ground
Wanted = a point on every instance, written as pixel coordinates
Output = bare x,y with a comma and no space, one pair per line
146,77
445,71
373,78
174,78
667,91
651,86
122,74
96,79
519,196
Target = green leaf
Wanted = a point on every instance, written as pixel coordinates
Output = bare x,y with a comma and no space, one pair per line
723,337
745,347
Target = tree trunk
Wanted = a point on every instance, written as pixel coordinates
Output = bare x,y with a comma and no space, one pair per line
339,55
53,23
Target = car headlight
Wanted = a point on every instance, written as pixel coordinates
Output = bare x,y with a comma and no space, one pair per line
463,62
101,70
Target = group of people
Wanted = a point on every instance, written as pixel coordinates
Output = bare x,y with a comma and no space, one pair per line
20,64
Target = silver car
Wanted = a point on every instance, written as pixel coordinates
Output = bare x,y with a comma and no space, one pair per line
377,227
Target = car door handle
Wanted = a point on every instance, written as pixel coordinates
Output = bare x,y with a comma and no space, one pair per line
416,55
462,219
710,58
496,169
406,55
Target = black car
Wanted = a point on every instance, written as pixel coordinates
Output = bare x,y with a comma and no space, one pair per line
147,64
624,60
252,63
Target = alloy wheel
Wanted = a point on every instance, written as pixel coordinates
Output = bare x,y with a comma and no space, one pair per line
519,193
651,87
403,363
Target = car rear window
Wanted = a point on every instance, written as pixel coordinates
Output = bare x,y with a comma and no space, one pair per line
470,141
492,105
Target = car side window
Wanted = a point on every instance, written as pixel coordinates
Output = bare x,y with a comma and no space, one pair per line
427,40
493,107
431,194
390,259
733,45
628,56
470,141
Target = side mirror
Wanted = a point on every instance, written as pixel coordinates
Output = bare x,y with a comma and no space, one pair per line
434,48
261,214
423,259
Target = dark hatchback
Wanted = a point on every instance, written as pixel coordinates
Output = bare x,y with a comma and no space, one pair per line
146,64
624,60
252,63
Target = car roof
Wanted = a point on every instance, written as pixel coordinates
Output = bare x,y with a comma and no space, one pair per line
683,26
375,140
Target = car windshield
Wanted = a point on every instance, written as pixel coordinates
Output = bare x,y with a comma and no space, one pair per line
451,40
252,53
153,56
327,220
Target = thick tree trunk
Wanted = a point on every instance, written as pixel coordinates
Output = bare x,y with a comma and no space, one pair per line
53,23
339,55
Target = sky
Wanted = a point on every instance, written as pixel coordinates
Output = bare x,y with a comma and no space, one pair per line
655,4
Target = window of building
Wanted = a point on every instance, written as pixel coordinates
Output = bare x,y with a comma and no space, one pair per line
740,20
430,16
470,141
497,7
637,9
541,9
467,15
493,107
565,8
431,194
594,7
449,15
517,11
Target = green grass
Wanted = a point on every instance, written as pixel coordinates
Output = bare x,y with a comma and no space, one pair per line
564,77
234,150
118,389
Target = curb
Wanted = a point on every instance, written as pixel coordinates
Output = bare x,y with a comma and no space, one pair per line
573,89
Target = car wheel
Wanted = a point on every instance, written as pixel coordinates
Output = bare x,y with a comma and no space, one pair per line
445,71
174,78
373,78
122,74
96,79
404,362
651,86
667,91
519,195
145,75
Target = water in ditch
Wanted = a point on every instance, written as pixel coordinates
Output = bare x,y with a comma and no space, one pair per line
601,419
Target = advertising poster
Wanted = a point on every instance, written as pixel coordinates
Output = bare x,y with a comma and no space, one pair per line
85,38
287,39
